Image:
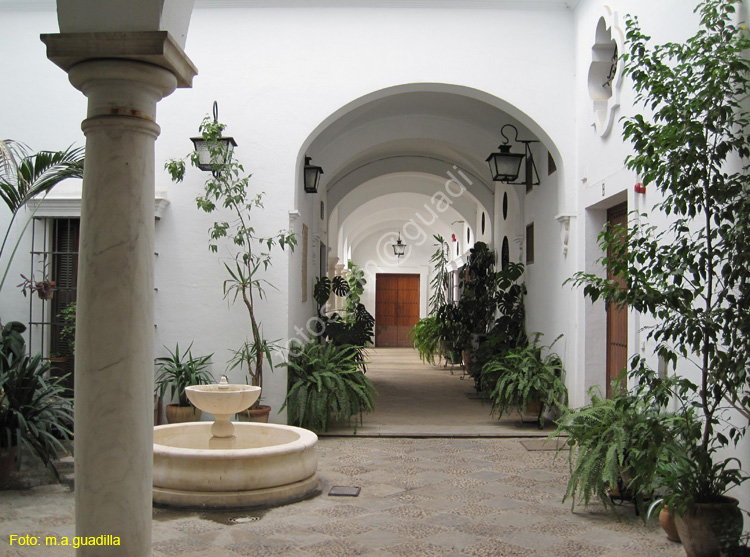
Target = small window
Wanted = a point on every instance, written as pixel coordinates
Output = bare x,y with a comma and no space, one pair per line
529,243
505,206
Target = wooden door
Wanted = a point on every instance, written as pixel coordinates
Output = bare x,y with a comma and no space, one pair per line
617,318
396,308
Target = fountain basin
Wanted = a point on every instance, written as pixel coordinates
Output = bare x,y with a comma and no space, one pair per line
222,398
261,465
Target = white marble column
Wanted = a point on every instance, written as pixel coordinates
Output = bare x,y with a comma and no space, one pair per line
115,320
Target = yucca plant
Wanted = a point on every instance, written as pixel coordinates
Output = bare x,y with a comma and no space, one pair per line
325,386
523,376
178,371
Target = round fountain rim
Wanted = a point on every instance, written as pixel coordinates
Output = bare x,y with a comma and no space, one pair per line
306,440
223,388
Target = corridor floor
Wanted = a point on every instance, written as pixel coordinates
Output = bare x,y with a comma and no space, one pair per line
419,400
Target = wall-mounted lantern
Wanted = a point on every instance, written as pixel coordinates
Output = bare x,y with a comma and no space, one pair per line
216,161
505,166
312,175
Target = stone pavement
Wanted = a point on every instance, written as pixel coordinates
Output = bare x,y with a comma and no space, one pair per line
418,497
460,482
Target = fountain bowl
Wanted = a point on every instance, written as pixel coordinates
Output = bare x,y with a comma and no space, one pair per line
222,398
261,465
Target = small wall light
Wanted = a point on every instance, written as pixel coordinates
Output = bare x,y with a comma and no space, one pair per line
214,163
505,166
399,248
312,175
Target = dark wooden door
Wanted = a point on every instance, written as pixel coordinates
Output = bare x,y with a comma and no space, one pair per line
617,317
396,308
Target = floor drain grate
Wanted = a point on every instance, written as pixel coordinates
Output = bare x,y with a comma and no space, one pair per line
344,491
243,519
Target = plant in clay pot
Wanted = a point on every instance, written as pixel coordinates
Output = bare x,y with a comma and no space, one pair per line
615,443
326,385
523,377
44,288
228,192
174,373
690,274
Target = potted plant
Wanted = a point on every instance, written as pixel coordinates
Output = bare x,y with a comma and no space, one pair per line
44,288
34,414
354,328
616,443
177,371
509,329
453,334
479,297
690,274
326,385
229,189
425,336
245,357
523,379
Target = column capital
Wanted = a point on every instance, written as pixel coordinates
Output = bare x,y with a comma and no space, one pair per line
153,47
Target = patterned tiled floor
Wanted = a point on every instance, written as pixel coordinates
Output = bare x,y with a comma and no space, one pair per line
419,497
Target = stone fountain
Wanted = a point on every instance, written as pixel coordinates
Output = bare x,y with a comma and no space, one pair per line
231,465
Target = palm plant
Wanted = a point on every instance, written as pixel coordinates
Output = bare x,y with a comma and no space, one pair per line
25,175
326,385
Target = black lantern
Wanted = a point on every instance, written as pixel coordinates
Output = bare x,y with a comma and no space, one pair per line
399,248
312,176
505,166
214,163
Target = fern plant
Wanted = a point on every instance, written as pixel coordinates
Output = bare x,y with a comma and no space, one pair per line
522,376
617,443
326,386
425,337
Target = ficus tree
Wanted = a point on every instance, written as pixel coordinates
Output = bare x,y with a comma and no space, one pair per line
691,275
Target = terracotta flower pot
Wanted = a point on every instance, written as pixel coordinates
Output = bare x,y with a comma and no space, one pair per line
709,527
180,414
668,524
259,414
